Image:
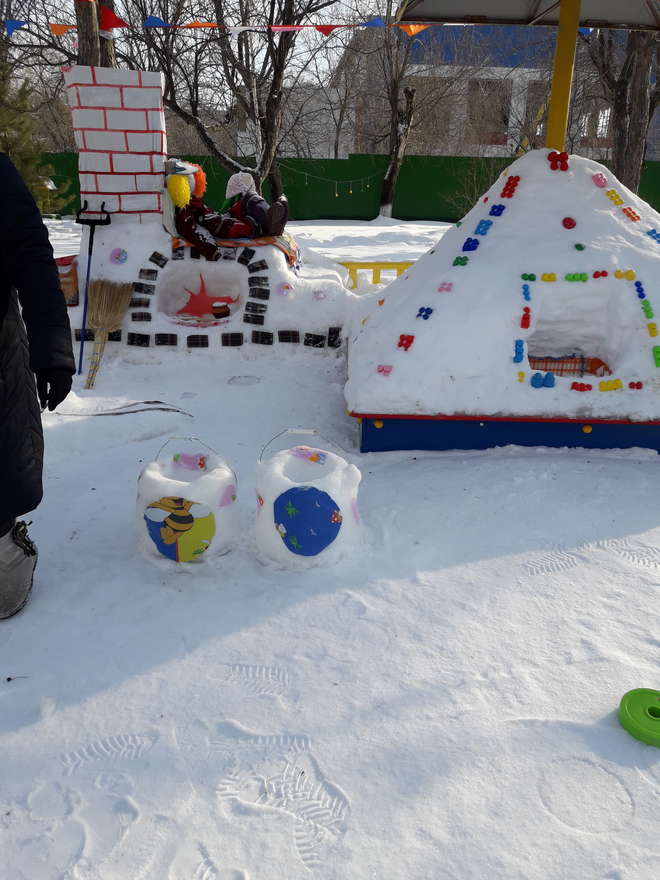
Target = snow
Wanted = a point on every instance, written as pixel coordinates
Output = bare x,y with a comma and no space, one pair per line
440,705
299,483
568,252
64,236
258,286
190,470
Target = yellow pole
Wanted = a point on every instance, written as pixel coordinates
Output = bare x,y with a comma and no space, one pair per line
562,74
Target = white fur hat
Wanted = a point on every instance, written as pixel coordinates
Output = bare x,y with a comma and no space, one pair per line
239,183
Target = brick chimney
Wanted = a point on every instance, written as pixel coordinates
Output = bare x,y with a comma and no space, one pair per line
119,127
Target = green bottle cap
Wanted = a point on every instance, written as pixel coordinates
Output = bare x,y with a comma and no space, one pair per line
639,713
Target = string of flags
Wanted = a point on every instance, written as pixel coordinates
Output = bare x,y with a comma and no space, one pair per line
109,21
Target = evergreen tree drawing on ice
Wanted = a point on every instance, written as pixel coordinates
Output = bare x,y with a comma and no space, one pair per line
280,773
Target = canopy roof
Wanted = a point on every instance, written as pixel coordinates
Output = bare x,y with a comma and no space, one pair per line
633,14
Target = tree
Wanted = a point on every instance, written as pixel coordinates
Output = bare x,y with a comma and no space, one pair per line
405,86
628,77
243,68
89,42
336,74
16,136
17,139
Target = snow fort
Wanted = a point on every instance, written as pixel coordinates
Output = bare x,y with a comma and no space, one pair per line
256,292
533,322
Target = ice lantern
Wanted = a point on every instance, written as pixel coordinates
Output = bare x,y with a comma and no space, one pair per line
307,512
185,507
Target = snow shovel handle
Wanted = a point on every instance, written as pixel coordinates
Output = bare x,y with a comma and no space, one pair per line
92,223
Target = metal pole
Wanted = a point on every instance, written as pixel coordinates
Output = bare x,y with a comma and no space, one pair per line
562,74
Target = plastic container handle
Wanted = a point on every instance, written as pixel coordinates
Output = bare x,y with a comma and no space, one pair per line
206,446
303,432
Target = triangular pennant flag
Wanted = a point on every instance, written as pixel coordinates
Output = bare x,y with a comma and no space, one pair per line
239,29
200,24
412,29
108,20
327,29
13,24
154,21
375,22
58,29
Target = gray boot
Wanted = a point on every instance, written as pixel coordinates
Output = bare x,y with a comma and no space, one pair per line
18,557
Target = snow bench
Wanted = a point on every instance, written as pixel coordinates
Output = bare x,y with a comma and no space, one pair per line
376,266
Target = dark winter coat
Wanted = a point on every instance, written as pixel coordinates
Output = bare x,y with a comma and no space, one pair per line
247,216
26,267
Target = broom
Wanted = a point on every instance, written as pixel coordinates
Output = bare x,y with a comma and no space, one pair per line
108,301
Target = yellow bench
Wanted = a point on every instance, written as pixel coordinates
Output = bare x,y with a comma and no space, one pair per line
376,268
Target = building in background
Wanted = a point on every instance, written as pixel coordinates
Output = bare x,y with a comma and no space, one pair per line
480,91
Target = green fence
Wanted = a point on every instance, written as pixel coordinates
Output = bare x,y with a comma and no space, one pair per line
429,187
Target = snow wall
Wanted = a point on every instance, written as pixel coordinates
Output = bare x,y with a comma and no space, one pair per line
257,295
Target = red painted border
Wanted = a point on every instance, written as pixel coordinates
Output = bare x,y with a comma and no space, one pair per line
143,211
466,418
160,153
136,192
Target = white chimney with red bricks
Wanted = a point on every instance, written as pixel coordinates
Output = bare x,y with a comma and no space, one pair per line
119,127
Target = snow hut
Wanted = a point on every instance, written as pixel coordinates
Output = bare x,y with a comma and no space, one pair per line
260,293
533,321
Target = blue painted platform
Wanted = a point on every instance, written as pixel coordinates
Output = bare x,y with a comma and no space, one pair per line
385,433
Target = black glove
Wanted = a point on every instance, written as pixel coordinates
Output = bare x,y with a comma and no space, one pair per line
53,385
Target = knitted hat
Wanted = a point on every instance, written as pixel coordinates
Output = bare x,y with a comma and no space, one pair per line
239,183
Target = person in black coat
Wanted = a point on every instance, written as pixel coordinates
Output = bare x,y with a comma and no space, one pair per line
36,358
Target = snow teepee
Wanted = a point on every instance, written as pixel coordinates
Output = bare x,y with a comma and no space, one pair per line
532,321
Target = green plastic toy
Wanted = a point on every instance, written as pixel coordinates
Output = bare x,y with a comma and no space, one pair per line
639,713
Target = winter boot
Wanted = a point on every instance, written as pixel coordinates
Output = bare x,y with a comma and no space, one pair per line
276,218
18,557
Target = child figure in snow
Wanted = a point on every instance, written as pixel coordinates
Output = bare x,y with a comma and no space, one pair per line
244,214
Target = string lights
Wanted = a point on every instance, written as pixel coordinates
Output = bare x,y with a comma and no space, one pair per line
362,182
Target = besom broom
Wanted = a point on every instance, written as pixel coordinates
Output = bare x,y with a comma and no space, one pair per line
108,301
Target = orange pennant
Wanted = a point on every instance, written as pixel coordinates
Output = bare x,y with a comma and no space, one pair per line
412,29
58,29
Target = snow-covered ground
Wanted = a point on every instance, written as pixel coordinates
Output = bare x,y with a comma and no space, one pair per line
439,706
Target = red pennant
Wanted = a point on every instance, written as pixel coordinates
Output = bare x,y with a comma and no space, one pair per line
326,29
108,20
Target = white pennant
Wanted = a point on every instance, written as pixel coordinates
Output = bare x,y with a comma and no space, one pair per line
241,28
